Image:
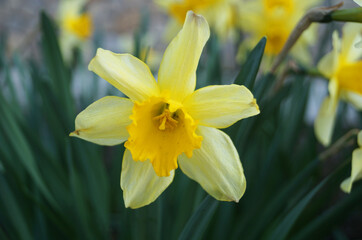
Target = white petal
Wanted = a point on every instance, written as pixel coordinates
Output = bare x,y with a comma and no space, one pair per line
139,182
216,166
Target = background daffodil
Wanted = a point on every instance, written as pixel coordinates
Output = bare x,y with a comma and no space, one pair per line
275,19
356,173
75,24
342,66
220,14
166,123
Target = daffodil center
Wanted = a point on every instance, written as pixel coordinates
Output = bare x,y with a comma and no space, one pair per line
166,120
79,25
349,77
160,131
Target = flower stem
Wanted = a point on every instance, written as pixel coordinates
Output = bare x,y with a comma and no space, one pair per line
340,143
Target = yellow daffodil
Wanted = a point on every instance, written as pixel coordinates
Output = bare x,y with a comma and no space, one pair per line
75,25
166,123
220,14
275,19
356,173
343,68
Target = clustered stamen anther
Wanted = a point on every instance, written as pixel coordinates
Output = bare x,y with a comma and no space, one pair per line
166,120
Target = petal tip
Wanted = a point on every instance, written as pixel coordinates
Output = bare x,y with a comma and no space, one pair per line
91,64
254,104
199,20
74,133
346,185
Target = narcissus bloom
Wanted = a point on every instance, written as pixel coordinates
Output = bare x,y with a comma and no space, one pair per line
75,25
275,19
356,173
220,14
343,67
166,123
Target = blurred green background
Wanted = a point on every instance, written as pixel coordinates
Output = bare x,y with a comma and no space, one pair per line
56,187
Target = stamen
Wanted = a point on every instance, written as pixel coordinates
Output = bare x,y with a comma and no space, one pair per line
166,121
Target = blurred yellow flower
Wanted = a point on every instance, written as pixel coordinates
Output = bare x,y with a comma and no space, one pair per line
75,25
356,173
275,19
343,68
167,123
220,14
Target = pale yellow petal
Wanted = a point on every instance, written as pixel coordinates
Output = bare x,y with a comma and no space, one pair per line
216,166
359,2
324,123
221,106
139,182
352,34
70,8
125,72
359,139
329,63
104,122
68,42
333,88
177,74
354,98
356,173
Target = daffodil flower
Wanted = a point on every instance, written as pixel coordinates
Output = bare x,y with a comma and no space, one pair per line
275,19
343,67
166,123
356,173
75,25
220,14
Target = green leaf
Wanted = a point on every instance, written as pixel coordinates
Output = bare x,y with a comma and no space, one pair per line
283,229
198,222
58,73
325,222
15,215
213,68
23,151
250,68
